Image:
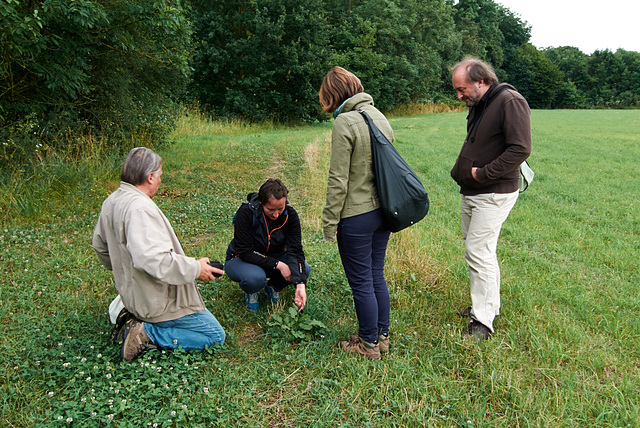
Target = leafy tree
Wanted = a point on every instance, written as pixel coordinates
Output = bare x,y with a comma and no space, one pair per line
493,33
537,79
401,51
577,82
260,59
478,21
88,66
251,50
629,87
569,96
615,77
603,79
515,33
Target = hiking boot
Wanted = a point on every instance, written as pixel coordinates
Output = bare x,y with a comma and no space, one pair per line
383,342
274,296
477,330
252,301
136,340
117,333
359,346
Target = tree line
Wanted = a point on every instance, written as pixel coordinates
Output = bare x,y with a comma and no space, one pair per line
120,69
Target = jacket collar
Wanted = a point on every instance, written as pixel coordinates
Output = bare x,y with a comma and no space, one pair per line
354,103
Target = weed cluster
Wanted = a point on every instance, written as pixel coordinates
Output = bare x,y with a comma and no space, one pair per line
294,326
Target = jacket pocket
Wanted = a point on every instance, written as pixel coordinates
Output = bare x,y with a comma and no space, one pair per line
461,173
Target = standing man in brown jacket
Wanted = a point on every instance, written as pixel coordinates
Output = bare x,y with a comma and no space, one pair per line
487,170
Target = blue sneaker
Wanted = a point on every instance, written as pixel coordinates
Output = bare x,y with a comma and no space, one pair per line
273,295
252,301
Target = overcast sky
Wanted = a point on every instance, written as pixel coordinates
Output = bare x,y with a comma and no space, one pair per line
587,25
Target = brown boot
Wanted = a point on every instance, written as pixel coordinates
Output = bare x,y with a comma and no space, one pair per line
383,342
136,340
369,350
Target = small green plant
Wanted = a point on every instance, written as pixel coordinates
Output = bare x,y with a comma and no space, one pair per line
295,326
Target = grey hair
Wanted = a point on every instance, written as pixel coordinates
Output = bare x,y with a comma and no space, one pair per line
477,70
140,162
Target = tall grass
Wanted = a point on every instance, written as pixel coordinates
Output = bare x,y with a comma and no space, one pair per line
412,109
566,351
193,121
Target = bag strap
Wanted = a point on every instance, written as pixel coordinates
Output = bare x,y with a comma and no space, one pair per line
374,131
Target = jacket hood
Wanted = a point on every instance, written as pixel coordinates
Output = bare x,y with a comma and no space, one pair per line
254,203
497,88
357,101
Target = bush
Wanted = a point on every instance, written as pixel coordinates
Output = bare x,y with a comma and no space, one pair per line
69,69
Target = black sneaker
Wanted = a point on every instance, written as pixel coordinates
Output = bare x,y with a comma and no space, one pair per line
477,330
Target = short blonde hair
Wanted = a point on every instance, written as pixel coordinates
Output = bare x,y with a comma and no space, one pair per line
337,86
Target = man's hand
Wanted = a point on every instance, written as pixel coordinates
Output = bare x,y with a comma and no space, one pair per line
284,270
474,174
206,271
300,298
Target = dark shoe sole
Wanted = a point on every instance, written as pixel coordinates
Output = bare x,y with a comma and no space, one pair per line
117,333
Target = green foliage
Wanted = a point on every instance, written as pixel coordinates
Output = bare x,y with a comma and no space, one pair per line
536,77
86,67
479,23
603,79
400,51
260,60
266,59
294,326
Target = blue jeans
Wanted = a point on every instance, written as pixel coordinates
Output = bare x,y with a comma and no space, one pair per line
362,243
253,278
192,332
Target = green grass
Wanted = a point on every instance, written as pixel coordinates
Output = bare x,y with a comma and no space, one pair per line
566,352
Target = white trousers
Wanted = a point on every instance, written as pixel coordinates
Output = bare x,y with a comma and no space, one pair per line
482,217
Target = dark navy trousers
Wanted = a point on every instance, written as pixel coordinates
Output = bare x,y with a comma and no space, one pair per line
362,242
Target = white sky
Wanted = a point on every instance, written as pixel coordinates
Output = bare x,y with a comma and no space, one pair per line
588,24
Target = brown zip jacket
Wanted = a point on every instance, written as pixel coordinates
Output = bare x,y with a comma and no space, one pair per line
498,141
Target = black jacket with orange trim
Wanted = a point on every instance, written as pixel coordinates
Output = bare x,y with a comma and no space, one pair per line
261,241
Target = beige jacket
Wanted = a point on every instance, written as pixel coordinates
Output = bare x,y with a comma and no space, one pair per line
153,276
351,186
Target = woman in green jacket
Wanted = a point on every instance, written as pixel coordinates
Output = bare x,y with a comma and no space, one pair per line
351,213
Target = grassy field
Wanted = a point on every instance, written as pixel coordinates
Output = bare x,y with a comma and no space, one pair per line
567,348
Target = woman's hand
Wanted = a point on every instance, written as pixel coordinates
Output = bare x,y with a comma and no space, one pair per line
284,270
300,298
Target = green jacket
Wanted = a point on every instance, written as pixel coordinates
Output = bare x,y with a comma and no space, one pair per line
351,186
